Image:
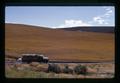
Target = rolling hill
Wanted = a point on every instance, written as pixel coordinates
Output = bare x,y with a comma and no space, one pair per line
58,44
91,29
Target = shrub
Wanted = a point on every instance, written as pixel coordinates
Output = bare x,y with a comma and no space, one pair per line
54,68
79,69
67,69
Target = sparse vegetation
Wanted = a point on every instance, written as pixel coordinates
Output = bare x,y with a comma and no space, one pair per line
54,68
34,64
28,71
80,69
67,70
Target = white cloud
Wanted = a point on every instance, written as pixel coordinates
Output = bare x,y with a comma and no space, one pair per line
99,20
108,13
104,18
107,8
73,23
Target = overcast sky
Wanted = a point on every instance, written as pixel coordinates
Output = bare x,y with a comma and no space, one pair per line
61,16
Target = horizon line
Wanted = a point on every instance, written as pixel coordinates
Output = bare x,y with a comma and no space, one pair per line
54,27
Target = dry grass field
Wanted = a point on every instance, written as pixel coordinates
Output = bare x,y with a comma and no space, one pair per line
58,44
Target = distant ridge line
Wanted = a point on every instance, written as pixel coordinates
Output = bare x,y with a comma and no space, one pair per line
101,29
91,29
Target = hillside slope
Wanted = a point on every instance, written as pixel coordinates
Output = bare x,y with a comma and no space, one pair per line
91,29
58,44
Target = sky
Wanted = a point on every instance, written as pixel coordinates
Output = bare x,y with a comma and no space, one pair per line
61,16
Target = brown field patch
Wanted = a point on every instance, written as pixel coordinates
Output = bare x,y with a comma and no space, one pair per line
58,44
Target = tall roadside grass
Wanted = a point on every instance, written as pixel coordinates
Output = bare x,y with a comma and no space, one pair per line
14,73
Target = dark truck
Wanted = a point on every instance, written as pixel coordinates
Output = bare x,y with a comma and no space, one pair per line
28,58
